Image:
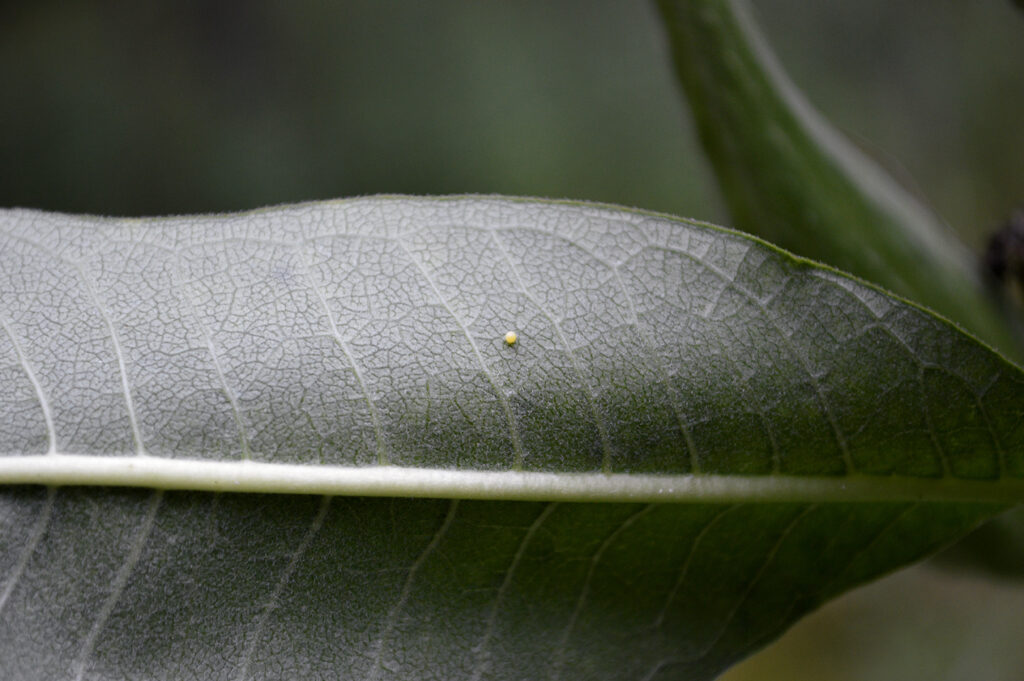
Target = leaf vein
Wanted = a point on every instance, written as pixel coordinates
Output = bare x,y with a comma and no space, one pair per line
517,443
139,541
44,402
282,582
38,530
602,429
481,647
339,340
793,350
392,619
563,643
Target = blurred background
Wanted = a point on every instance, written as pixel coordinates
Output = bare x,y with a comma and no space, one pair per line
147,108
142,108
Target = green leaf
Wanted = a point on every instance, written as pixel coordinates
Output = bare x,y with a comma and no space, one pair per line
695,439
787,175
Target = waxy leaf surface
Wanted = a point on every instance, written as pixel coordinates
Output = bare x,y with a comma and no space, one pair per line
695,438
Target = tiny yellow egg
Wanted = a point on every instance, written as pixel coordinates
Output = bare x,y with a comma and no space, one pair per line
511,337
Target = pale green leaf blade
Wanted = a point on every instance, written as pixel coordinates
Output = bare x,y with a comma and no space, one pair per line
787,175
761,433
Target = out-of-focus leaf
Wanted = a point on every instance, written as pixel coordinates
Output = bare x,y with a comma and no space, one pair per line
788,176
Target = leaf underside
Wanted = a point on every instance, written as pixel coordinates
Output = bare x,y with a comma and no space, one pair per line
135,584
370,334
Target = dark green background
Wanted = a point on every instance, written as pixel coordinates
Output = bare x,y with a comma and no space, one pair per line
131,108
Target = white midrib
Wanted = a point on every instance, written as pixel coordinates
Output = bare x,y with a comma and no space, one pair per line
398,481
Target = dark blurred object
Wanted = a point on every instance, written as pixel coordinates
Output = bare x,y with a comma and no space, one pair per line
1003,260
996,548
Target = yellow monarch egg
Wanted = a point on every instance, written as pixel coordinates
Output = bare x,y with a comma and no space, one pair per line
511,337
